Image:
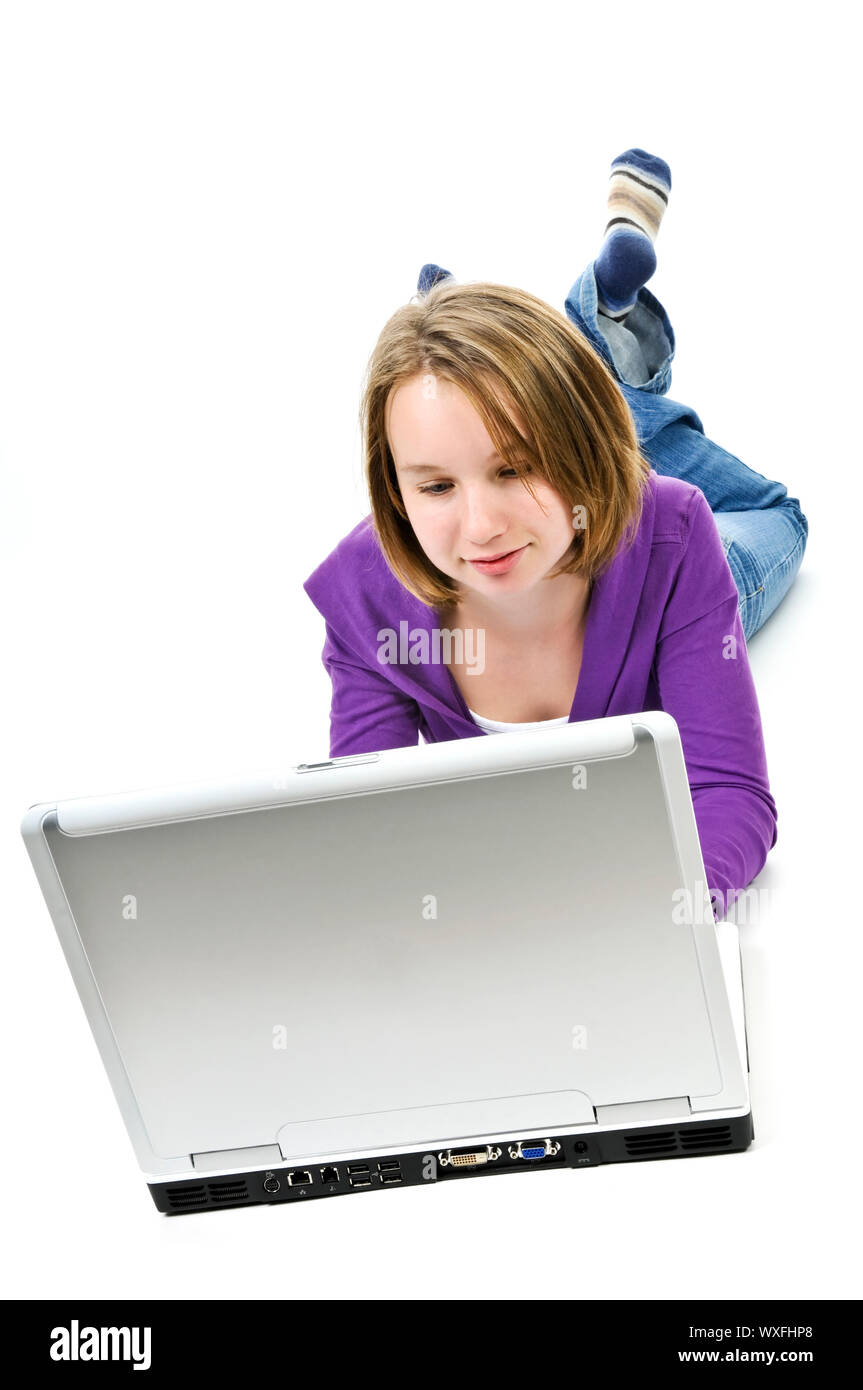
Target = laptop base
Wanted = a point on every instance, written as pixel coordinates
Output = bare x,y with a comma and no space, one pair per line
293,1183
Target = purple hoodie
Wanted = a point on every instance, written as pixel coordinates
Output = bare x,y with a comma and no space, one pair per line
658,635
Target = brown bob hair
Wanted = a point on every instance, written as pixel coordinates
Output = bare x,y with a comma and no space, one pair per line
505,348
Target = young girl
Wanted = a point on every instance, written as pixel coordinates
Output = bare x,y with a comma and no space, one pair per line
542,546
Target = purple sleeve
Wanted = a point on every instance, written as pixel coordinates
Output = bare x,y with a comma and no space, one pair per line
705,683
368,713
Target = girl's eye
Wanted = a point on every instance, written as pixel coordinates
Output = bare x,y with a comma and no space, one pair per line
430,488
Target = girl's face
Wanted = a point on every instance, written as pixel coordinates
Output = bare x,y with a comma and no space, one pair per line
462,500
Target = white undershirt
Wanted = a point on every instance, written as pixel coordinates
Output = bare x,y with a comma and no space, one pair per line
499,726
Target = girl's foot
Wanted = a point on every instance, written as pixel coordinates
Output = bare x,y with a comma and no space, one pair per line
637,199
429,275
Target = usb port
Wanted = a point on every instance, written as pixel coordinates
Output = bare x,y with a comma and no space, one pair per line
359,1175
389,1178
393,1167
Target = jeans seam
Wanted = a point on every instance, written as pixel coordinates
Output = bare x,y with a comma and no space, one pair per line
784,559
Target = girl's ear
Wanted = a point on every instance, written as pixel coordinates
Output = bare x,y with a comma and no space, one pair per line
430,275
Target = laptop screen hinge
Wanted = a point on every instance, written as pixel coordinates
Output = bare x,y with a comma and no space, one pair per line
257,1157
644,1111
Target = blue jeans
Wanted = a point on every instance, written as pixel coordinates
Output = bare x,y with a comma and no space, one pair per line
763,530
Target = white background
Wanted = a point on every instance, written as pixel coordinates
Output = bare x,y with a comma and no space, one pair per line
209,211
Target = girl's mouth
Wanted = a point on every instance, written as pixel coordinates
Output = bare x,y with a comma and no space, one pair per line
502,565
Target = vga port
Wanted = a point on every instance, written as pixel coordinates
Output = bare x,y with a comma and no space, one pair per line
468,1158
532,1149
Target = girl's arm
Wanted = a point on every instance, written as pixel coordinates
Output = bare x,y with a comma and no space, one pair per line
705,682
367,713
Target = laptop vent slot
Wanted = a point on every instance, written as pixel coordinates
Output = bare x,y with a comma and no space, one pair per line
717,1137
228,1191
183,1197
669,1141
660,1142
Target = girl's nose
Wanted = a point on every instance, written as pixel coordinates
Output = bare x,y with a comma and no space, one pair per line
482,520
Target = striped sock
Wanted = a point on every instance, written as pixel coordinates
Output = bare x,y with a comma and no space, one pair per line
430,275
637,199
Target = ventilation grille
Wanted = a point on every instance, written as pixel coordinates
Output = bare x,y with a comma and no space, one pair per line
182,1197
660,1142
716,1137
671,1141
193,1195
233,1190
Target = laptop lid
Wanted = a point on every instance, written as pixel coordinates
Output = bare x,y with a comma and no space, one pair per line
417,947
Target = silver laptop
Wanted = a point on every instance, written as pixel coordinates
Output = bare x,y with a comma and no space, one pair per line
429,964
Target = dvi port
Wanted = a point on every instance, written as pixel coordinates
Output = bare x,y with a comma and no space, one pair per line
468,1158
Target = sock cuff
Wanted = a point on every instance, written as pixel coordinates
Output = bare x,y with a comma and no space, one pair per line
619,316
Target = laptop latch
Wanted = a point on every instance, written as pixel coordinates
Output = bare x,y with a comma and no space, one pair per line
257,1157
641,1111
